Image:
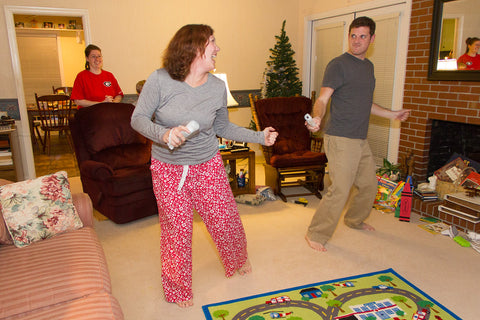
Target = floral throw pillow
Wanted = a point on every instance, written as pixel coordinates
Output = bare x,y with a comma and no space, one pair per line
38,209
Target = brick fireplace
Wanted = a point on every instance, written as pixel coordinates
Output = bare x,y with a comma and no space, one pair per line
456,101
448,140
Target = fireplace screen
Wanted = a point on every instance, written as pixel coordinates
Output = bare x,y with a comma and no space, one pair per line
450,140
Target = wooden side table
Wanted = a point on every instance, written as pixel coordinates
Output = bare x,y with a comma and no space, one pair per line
231,158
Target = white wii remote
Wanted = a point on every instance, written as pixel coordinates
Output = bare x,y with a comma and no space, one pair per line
309,120
193,126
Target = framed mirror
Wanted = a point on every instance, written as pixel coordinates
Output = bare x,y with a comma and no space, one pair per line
453,22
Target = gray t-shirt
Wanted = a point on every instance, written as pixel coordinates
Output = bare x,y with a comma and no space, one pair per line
165,103
353,81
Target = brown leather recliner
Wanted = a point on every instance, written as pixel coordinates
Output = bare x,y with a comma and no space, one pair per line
114,162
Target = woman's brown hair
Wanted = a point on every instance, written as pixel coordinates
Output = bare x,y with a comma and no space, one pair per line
183,48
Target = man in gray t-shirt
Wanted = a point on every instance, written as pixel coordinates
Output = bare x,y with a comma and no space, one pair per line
349,82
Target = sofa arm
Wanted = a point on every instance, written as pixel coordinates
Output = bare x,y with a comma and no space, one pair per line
96,170
83,205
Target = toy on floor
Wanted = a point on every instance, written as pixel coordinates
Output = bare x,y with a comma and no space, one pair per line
452,232
250,199
462,241
266,192
301,201
406,201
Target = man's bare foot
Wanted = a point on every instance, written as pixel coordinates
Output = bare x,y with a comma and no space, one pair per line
317,246
245,269
185,304
366,226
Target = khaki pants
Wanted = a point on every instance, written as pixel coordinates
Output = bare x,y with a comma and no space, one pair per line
350,164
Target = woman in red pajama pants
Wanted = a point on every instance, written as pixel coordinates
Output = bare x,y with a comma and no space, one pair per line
188,173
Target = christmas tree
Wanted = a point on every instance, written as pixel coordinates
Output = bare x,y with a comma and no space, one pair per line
281,75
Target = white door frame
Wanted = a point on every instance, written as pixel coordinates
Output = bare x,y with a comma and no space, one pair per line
400,61
27,170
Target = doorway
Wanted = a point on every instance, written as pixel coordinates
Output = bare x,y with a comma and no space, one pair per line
26,157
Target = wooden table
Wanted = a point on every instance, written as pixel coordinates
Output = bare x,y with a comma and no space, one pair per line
231,158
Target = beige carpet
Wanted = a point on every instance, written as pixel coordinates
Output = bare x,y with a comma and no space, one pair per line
281,259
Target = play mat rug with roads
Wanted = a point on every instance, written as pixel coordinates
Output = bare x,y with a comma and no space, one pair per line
379,295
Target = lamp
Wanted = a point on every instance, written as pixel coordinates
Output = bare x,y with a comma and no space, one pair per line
231,102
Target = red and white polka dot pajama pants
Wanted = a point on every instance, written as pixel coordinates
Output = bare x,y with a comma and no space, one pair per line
206,189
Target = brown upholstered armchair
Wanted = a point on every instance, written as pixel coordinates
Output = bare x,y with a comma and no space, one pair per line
114,162
295,154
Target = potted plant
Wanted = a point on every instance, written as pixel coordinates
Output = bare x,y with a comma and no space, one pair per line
392,171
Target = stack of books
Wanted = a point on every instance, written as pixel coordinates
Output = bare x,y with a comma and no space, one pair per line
472,181
462,206
426,195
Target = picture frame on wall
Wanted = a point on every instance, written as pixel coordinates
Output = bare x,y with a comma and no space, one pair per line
10,106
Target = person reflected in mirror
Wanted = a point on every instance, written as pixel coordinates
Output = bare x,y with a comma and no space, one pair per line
94,85
188,173
349,82
471,59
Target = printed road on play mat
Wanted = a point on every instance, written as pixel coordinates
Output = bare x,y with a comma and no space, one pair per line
378,295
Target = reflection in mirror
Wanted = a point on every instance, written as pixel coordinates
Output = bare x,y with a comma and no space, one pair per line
459,23
450,57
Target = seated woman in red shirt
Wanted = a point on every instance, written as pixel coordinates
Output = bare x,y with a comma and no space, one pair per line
94,85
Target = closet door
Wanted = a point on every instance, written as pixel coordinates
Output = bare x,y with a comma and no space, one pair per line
329,40
383,54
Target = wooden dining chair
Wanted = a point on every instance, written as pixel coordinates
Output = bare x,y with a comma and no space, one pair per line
36,136
54,113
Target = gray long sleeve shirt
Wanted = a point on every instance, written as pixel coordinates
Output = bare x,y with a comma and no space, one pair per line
166,103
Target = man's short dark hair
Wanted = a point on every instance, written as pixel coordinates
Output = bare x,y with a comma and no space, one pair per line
363,22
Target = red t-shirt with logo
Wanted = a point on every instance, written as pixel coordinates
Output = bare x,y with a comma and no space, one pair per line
94,87
472,63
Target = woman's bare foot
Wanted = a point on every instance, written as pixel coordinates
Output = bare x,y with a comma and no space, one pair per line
366,226
317,246
245,269
185,304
